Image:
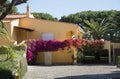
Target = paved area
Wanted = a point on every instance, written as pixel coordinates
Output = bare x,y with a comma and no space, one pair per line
73,72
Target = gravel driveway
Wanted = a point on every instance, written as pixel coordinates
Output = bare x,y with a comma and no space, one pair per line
73,72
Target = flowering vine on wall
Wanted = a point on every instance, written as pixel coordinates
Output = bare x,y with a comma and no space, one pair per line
35,46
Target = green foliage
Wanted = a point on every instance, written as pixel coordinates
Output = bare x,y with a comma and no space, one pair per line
6,53
3,31
44,16
80,56
23,66
8,7
90,48
16,63
118,61
90,55
112,17
13,11
97,30
19,47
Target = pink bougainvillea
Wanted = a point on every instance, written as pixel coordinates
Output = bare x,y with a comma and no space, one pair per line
92,45
35,46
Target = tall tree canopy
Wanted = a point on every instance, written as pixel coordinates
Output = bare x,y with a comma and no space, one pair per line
6,8
78,18
112,17
44,16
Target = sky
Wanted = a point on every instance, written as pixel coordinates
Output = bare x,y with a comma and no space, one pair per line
59,8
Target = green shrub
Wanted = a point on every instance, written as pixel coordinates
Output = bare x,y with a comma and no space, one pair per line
118,61
86,55
80,56
16,61
5,53
20,47
23,66
103,52
6,74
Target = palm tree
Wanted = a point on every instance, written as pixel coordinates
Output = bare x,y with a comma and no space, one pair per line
97,30
3,31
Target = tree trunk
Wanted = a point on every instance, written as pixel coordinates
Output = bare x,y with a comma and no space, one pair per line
9,8
96,37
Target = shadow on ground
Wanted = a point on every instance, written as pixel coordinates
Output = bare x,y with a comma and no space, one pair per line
113,75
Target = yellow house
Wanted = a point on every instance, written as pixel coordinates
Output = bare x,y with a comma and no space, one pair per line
25,26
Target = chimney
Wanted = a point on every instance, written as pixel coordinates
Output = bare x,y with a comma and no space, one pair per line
28,11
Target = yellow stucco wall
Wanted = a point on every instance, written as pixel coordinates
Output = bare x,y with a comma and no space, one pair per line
59,57
59,29
40,58
62,57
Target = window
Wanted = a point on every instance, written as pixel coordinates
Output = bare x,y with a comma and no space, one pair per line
47,36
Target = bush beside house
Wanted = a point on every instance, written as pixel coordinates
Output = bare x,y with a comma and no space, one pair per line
12,62
90,50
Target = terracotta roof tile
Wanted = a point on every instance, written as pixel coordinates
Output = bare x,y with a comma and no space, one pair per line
15,16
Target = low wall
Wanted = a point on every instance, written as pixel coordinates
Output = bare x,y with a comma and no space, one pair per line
107,46
115,53
111,48
40,58
58,57
62,57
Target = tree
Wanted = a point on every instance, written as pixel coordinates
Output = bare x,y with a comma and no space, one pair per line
3,31
44,16
5,8
96,29
112,17
8,7
13,11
